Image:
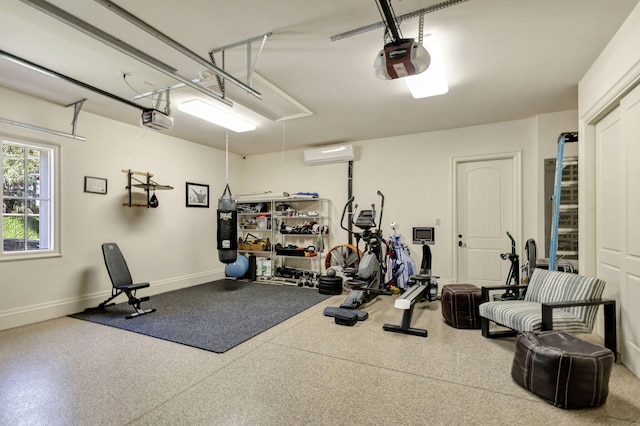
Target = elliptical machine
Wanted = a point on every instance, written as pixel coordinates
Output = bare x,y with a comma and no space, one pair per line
367,282
513,278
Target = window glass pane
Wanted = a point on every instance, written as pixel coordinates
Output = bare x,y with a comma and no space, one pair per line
14,190
13,244
33,207
40,225
13,207
33,220
13,170
33,173
13,221
33,155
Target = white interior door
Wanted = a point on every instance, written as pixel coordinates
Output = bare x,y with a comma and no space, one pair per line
486,206
618,210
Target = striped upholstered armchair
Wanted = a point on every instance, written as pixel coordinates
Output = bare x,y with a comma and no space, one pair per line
553,301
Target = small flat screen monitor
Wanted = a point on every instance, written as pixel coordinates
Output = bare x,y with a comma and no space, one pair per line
424,235
365,219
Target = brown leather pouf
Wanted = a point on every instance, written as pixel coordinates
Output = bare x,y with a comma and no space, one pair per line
460,305
563,370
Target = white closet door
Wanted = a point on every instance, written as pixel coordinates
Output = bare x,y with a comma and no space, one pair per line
630,279
618,220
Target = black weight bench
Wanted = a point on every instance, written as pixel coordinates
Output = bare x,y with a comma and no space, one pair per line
122,281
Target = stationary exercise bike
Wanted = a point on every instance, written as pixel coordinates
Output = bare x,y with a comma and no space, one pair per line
367,281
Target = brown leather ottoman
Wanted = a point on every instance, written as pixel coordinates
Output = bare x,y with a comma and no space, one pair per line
460,305
561,369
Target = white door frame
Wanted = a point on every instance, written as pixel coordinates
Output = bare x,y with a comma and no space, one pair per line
516,157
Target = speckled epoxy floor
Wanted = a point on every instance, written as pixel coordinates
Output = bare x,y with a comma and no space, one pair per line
307,370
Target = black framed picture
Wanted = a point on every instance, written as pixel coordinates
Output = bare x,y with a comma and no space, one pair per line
197,195
95,185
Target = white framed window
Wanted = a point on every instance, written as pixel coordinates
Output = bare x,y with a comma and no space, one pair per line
29,222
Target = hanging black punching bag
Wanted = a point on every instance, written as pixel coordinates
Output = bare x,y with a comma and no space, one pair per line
227,227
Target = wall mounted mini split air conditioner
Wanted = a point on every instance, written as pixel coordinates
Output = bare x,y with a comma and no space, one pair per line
328,155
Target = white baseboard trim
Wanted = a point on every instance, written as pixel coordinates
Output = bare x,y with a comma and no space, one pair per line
25,315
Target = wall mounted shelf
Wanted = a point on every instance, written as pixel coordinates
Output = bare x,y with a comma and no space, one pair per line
146,184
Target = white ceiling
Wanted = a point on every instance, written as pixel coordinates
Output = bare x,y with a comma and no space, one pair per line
505,60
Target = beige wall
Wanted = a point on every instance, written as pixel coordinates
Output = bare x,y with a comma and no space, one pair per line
173,246
415,174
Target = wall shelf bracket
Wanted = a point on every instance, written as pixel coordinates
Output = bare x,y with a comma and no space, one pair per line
77,106
146,184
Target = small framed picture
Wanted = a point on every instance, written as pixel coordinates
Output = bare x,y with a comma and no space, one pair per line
95,185
197,195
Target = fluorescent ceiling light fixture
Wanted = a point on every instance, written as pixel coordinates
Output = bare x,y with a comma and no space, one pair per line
433,81
217,115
